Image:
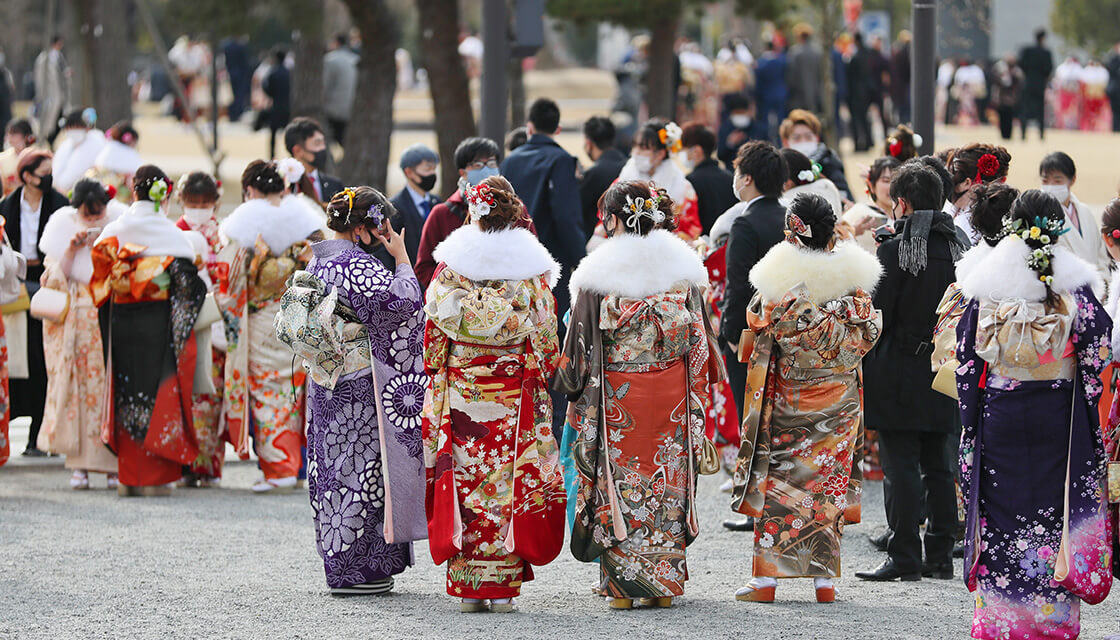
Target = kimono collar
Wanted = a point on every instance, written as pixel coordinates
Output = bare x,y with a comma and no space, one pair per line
825,275
667,175
509,254
279,226
119,158
638,266
142,225
1003,274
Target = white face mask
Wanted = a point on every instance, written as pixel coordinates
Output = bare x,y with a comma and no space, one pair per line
686,161
740,121
197,216
1059,191
643,164
737,187
77,135
805,148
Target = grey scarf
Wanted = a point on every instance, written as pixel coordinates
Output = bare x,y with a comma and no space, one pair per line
914,246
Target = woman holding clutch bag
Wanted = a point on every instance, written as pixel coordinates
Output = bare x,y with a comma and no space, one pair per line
1033,343
72,347
797,472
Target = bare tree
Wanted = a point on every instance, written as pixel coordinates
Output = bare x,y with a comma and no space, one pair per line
450,88
367,136
310,45
106,49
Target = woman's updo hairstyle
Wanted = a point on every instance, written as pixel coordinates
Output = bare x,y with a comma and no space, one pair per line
981,162
630,202
801,169
1110,220
90,193
811,220
262,176
507,209
123,132
902,144
1038,219
354,207
146,176
991,205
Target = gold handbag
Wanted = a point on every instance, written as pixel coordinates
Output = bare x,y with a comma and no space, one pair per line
22,303
50,305
1114,482
709,459
945,382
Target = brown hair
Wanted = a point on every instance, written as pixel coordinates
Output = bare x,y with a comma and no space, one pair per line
903,136
145,177
354,207
963,163
1110,218
263,177
508,209
613,203
796,117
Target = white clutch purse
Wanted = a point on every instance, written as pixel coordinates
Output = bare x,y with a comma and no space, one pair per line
50,305
208,314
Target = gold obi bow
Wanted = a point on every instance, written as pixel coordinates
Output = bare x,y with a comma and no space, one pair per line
123,273
1018,332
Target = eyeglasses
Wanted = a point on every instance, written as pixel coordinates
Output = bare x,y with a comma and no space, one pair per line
492,164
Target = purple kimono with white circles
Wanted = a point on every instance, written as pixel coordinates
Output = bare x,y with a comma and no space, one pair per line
365,470
1013,458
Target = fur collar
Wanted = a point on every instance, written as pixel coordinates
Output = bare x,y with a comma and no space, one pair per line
974,256
667,175
117,157
1003,273
638,266
280,227
509,254
826,276
1112,305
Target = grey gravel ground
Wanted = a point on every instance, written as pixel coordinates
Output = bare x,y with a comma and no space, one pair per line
226,563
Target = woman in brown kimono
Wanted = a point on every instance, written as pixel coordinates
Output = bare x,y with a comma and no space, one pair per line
637,364
812,322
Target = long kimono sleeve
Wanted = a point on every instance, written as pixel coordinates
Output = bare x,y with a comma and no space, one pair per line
545,342
573,372
970,376
403,296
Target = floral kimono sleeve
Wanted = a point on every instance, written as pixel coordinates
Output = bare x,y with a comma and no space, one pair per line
573,372
545,343
970,376
379,304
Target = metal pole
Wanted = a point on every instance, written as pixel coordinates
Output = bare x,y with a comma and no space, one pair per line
923,69
495,58
214,106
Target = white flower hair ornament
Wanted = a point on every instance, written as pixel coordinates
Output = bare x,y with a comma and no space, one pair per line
670,136
291,170
806,176
638,208
480,200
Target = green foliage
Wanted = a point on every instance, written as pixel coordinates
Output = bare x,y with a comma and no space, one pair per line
1092,24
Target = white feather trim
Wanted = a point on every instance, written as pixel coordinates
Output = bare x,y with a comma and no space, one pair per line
60,229
667,175
142,225
73,160
1003,274
1112,306
826,276
509,254
117,157
280,227
639,266
974,256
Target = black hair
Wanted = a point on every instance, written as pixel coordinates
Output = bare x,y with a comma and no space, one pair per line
964,163
201,185
817,215
918,183
1110,218
614,203
696,134
74,118
516,138
858,39
882,164
1029,209
145,177
991,205
1039,35
1060,162
345,214
279,55
123,132
736,101
797,162
299,130
649,136
947,184
761,161
56,38
545,115
342,40
475,148
263,177
90,193
600,131
21,126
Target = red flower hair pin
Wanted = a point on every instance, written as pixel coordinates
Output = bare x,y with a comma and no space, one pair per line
894,146
480,200
986,167
1115,234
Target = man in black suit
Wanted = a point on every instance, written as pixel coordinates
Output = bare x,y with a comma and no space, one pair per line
598,144
915,423
712,183
26,211
1037,64
544,177
414,202
306,142
760,172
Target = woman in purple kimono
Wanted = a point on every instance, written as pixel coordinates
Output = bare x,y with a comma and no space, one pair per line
359,328
1032,344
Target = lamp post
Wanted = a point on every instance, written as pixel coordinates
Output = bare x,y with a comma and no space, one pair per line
495,61
923,61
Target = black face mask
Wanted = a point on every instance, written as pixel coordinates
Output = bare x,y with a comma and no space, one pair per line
426,183
46,182
320,159
368,247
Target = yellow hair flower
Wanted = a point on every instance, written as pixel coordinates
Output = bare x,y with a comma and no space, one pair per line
1035,232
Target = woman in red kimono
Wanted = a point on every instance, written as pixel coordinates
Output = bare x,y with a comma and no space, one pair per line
148,289
495,497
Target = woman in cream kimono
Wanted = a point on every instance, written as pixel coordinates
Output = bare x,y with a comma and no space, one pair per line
118,160
798,475
637,367
267,239
1032,345
495,492
72,348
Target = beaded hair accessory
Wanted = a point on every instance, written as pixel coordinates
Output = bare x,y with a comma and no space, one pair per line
374,216
644,208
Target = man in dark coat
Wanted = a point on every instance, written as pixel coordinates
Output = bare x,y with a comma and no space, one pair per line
737,127
803,73
598,144
713,184
277,85
760,173
1112,63
305,141
900,77
914,421
235,51
544,177
860,89
414,202
1037,64
771,92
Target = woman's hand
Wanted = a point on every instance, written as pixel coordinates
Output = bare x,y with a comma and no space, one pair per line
393,243
80,239
572,414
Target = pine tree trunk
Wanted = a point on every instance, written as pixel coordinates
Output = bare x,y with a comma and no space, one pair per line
105,45
449,86
307,77
517,115
661,86
369,130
